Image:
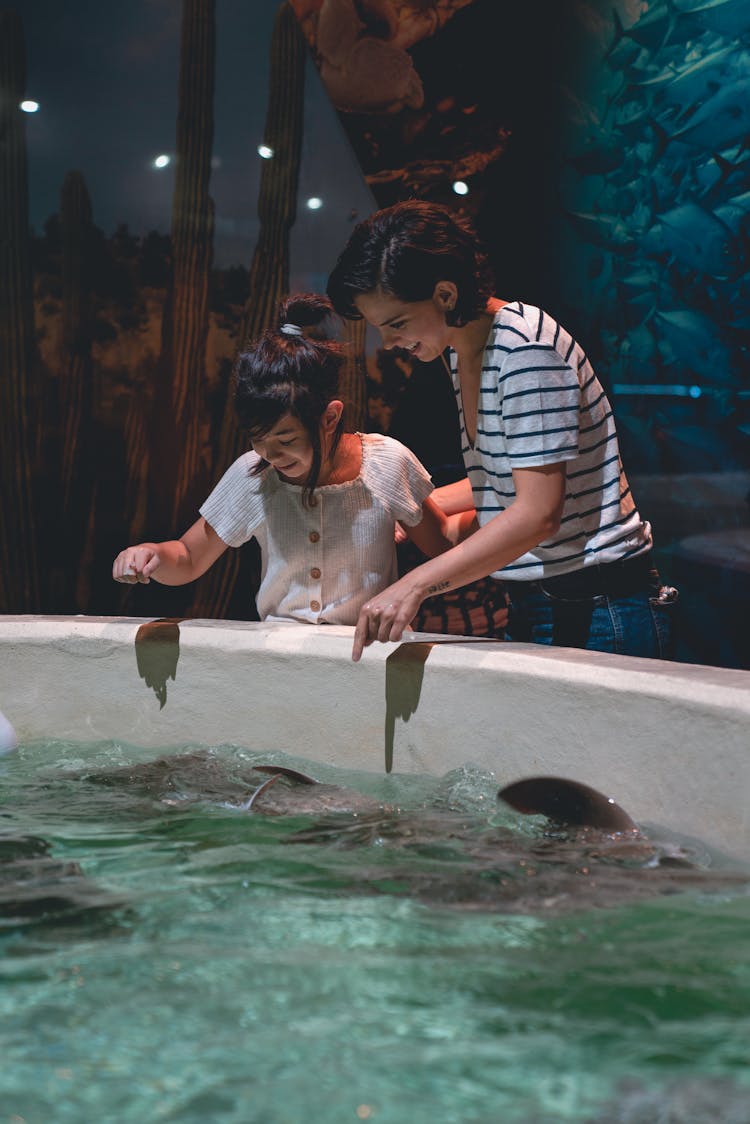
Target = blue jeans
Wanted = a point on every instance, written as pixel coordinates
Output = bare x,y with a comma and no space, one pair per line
619,607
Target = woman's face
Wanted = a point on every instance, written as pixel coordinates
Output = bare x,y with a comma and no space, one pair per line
287,448
418,327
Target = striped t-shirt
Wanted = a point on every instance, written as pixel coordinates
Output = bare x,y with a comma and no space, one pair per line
541,403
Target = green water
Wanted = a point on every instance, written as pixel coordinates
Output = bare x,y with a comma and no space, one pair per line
212,967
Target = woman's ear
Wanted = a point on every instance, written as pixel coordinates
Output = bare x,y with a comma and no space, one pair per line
332,415
445,295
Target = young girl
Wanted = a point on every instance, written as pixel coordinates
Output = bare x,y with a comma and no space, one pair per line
322,503
558,522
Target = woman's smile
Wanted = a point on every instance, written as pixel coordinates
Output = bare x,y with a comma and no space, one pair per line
398,321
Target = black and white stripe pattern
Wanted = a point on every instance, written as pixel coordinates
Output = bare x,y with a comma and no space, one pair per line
541,403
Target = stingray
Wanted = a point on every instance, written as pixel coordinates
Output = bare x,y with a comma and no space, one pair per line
37,888
203,777
586,851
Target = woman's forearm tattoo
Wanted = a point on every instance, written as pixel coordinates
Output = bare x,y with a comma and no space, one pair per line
437,587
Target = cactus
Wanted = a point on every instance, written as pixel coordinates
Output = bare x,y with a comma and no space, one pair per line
354,376
269,273
75,391
179,406
19,580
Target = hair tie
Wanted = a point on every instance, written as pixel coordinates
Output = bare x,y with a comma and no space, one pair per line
291,330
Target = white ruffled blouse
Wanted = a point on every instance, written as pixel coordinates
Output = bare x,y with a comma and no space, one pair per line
320,563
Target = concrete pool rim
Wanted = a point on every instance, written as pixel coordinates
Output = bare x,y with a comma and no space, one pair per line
669,742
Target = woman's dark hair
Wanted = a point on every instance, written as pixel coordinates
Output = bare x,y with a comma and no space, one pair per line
291,369
404,251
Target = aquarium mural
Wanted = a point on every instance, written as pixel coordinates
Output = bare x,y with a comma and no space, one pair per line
655,200
159,176
171,168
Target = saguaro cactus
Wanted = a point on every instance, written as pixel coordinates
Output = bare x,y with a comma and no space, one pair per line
269,272
179,406
19,583
75,389
354,376
75,394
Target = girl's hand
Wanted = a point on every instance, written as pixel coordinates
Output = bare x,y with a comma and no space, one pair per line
136,564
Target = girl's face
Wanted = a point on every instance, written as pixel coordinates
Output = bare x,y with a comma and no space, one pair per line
288,448
418,327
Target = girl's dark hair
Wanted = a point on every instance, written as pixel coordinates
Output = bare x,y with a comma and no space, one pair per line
284,372
404,250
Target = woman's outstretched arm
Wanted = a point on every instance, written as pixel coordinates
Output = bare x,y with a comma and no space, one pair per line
533,517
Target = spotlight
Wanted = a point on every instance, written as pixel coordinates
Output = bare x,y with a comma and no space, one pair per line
162,161
29,106
314,203
460,187
265,152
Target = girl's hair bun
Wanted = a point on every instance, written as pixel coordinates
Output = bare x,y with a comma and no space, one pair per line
306,310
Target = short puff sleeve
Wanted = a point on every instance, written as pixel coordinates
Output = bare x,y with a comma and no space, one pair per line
397,479
236,507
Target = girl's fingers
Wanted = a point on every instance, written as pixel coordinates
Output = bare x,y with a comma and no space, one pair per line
131,568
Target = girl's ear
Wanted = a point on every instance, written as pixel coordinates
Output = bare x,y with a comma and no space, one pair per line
332,415
445,295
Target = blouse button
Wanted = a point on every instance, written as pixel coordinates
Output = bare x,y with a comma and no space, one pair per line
315,572
314,536
315,606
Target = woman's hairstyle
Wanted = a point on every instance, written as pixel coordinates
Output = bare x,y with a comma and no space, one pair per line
404,251
291,369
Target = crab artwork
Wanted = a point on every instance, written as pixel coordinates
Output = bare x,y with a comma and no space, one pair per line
361,48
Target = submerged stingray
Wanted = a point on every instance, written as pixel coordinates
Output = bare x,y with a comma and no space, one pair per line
36,887
269,790
592,854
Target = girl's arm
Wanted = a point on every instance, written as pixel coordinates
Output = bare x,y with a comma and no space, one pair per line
533,517
437,531
454,498
174,562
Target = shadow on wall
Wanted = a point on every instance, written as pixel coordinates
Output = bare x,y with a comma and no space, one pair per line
157,651
404,675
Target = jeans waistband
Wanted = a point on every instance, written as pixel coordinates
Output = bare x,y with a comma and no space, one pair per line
614,579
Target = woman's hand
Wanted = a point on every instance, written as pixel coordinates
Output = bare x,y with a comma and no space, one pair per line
387,615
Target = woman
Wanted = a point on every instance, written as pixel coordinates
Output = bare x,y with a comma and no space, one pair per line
556,520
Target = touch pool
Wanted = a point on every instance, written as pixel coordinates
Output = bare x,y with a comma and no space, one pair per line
169,957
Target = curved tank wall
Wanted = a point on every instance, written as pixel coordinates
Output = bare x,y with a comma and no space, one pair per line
667,741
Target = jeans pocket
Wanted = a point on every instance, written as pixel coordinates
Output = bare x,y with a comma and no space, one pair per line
662,612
